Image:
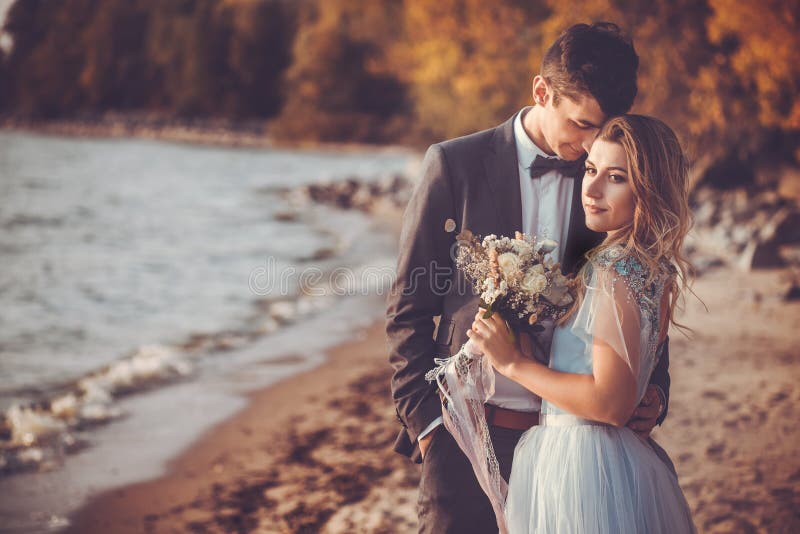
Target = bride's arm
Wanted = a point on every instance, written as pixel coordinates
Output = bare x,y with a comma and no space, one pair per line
608,395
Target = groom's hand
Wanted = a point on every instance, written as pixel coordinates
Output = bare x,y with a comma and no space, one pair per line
645,415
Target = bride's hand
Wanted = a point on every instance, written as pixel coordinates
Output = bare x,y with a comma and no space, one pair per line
494,339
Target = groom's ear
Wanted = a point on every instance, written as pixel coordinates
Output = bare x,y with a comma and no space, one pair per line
540,90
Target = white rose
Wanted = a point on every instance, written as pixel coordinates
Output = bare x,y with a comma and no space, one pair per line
547,245
534,282
558,295
521,247
538,269
508,262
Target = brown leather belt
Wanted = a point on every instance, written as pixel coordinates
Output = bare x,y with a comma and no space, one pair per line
503,417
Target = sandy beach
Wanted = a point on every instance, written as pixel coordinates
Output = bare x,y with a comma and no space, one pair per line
313,453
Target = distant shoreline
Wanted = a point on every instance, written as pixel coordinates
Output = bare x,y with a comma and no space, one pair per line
212,132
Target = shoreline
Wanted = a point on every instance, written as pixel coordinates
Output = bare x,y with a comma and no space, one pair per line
188,496
204,132
236,470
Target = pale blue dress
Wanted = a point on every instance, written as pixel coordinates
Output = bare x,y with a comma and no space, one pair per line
571,475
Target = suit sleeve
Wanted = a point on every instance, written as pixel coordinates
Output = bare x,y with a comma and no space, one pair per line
424,268
660,376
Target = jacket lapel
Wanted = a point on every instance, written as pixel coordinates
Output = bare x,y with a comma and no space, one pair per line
503,176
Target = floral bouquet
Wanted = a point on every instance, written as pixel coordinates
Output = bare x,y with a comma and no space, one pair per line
514,279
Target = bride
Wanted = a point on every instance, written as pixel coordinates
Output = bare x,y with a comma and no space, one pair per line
581,470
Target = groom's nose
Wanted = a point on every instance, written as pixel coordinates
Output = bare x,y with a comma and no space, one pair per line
588,139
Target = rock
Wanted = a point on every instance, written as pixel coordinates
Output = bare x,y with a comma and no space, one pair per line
789,183
744,227
788,229
31,456
793,294
401,198
741,234
769,231
704,213
285,216
323,253
740,200
791,254
362,199
704,195
760,256
703,264
766,199
352,193
726,172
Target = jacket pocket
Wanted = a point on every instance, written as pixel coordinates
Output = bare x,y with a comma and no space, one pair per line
444,336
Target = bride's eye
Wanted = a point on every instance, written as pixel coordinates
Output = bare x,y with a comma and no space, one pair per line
590,170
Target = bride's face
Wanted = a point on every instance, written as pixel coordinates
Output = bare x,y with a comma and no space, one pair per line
608,198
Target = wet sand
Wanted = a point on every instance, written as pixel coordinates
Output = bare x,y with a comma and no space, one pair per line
309,454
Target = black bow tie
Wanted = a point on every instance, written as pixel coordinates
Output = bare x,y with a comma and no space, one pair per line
542,165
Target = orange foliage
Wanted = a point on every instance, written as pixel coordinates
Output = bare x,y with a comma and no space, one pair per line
469,63
724,73
764,38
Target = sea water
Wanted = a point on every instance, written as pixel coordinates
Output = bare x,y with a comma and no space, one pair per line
146,286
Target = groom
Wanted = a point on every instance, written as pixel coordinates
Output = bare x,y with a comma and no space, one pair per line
524,175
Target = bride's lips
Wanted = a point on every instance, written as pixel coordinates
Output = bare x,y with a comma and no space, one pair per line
593,209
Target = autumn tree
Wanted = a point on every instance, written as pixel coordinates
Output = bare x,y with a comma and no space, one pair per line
723,73
258,43
114,71
339,85
47,57
468,63
192,58
749,91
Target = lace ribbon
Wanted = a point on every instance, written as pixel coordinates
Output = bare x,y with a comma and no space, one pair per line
466,381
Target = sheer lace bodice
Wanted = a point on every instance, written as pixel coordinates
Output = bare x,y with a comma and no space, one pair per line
621,306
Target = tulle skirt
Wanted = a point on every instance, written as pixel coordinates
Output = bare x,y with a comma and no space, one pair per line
570,477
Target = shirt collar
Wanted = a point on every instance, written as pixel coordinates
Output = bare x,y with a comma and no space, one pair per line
526,148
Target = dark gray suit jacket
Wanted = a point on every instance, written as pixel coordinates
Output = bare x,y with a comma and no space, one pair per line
473,180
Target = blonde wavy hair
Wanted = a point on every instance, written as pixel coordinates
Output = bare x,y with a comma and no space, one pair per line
658,173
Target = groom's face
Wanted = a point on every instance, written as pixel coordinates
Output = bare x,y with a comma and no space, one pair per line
571,124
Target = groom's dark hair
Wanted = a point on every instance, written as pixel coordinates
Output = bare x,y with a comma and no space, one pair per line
596,59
